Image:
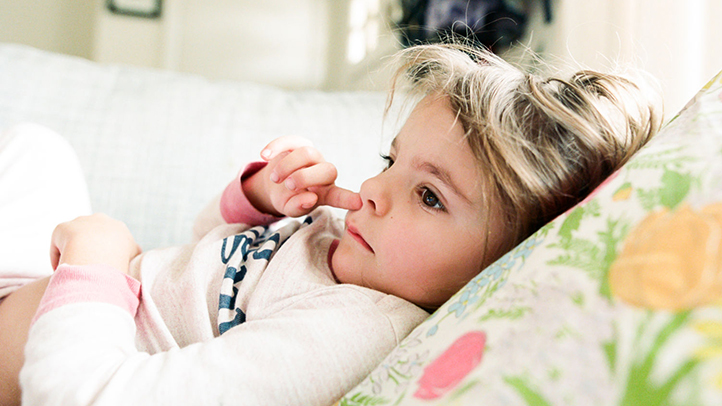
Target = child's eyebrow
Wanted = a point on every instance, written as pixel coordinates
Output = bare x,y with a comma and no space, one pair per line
443,176
394,143
436,171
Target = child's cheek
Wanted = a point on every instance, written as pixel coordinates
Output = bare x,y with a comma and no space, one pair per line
410,245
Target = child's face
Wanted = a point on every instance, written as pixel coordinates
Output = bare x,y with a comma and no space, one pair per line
422,229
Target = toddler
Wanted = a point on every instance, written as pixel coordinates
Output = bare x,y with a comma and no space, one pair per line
298,313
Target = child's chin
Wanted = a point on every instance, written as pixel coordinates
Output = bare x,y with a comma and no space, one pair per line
344,262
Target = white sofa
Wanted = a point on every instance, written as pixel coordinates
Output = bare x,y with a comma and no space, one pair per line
156,145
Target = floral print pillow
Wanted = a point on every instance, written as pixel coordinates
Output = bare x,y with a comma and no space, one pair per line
616,302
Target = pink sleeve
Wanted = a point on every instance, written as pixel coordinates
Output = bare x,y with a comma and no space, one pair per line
235,207
90,283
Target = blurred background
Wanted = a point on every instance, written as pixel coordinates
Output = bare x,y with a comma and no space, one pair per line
342,44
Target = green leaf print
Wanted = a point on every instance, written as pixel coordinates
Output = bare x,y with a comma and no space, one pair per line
458,393
579,253
667,159
511,314
611,238
571,223
648,199
610,350
593,256
529,394
675,187
362,400
641,388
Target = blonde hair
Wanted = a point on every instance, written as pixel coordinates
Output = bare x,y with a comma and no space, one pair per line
543,143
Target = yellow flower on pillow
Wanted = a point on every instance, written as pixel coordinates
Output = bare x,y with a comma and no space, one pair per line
672,260
623,192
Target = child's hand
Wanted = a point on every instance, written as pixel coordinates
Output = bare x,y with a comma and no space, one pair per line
299,179
94,239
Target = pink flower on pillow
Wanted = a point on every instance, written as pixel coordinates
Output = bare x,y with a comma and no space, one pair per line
446,371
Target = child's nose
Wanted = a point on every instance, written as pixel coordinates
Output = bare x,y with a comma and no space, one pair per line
374,195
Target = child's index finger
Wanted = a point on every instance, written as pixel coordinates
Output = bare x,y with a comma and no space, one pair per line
283,144
342,198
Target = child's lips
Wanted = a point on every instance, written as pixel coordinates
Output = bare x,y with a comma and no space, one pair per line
354,233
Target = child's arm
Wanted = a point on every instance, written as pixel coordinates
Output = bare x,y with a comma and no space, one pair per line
81,350
99,242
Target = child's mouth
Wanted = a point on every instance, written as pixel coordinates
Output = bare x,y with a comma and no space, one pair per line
353,232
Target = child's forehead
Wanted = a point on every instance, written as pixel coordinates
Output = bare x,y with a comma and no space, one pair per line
433,140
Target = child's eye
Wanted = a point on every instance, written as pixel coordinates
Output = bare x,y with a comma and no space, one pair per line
389,161
429,199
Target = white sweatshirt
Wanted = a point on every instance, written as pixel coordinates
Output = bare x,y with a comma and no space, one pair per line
291,334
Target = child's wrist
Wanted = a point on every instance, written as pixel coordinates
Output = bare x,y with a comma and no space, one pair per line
256,187
240,200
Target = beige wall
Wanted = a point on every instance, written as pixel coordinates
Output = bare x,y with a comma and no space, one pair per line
676,41
273,41
301,43
277,42
294,44
55,25
127,40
